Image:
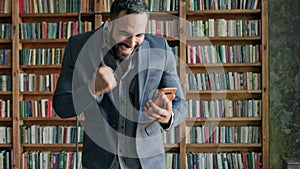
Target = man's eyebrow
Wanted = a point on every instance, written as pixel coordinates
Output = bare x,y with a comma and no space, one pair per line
130,34
125,32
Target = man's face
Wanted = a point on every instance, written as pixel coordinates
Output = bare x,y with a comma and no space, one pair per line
127,32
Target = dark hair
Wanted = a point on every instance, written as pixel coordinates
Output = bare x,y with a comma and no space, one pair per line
130,6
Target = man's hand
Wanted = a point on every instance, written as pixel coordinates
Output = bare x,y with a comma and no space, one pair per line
160,114
104,80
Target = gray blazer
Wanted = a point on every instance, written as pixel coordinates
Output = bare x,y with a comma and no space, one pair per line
156,69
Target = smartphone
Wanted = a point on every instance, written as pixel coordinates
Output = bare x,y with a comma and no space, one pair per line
168,91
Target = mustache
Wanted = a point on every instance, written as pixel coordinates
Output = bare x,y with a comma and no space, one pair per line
123,44
127,46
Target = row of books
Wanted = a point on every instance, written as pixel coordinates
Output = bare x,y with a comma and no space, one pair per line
52,30
36,134
5,106
171,136
172,160
37,108
163,5
5,135
224,81
222,4
105,5
224,108
175,50
224,54
5,30
235,160
53,160
223,28
5,6
5,83
6,159
153,5
5,56
37,83
164,28
50,56
48,6
89,5
208,134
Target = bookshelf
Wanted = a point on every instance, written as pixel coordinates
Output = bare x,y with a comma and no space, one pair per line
6,120
17,15
39,35
222,133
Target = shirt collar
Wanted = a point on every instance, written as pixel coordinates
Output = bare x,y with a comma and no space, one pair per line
105,34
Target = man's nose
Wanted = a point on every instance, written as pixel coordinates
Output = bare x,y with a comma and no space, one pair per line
131,41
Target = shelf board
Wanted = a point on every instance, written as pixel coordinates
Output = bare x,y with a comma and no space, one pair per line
5,66
50,147
5,43
40,66
5,18
5,119
241,40
223,147
52,121
172,148
3,93
172,39
164,15
43,43
224,121
6,146
5,69
47,119
36,95
227,14
49,17
223,67
222,94
41,69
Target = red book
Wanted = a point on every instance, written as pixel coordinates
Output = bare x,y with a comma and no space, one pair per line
50,111
44,31
245,161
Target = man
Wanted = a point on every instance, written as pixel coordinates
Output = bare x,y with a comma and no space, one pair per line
110,76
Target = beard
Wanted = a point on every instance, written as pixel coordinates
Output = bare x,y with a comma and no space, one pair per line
121,49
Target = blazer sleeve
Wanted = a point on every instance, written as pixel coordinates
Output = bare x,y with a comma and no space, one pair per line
62,98
69,86
170,78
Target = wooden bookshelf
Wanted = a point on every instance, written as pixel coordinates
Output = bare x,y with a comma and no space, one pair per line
16,44
182,41
6,94
198,68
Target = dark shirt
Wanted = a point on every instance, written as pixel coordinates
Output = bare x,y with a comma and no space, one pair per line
126,100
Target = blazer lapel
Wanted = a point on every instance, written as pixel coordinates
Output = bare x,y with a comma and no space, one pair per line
143,73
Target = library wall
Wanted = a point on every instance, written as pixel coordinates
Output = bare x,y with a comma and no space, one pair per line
284,47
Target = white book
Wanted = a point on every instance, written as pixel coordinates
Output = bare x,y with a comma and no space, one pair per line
211,26
240,161
2,135
7,157
1,160
8,113
8,135
219,161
